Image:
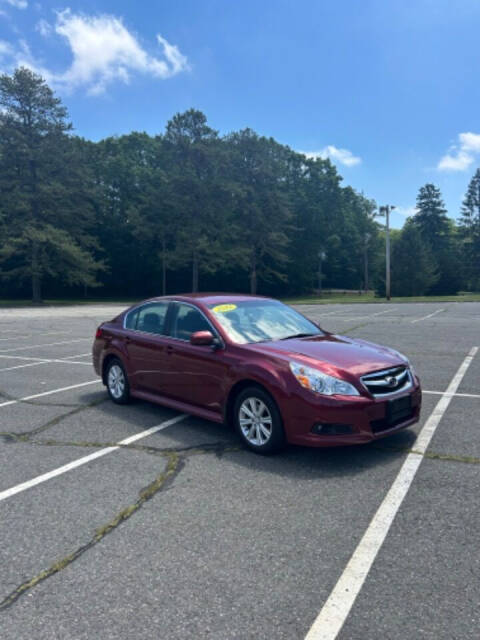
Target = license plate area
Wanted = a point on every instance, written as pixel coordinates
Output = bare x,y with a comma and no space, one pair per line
399,409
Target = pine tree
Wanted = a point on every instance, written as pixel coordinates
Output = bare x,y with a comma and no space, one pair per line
470,229
413,266
261,209
194,153
431,217
42,188
438,233
470,213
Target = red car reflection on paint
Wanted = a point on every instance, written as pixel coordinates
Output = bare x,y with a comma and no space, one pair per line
259,365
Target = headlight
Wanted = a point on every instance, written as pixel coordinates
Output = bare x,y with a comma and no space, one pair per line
319,382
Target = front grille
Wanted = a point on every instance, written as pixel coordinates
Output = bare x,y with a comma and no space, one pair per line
382,383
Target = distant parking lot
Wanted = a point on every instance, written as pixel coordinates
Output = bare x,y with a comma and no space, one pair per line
138,522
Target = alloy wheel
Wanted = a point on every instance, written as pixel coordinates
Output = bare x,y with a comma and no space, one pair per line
116,381
255,421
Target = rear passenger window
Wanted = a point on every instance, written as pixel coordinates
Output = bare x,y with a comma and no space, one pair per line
150,318
131,320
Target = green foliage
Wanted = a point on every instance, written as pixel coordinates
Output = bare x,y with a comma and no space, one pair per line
191,209
58,255
439,234
431,217
470,232
260,207
43,206
414,270
193,163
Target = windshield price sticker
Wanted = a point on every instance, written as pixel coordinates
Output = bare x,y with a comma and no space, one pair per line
224,308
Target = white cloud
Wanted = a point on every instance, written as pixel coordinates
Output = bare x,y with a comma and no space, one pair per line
343,156
103,51
457,162
406,212
18,4
18,57
462,154
470,141
43,27
5,49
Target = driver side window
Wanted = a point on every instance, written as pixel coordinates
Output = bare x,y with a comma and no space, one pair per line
188,320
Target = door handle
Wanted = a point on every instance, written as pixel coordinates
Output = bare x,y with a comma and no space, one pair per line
128,340
170,349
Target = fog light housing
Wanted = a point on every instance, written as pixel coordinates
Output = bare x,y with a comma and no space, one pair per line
331,429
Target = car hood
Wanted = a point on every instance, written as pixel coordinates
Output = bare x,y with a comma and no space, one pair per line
350,355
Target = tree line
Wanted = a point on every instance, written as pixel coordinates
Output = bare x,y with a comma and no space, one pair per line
139,215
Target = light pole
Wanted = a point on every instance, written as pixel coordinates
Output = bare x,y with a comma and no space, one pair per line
386,210
321,256
367,237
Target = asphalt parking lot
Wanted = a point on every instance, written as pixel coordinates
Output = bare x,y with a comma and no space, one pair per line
178,532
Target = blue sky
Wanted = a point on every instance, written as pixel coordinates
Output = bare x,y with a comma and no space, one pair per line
387,89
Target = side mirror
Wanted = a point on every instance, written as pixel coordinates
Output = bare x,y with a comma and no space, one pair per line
202,338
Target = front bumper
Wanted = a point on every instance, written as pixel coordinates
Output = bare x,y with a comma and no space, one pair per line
366,416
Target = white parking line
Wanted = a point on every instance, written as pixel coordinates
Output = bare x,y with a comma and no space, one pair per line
430,315
93,456
331,313
336,609
13,357
380,313
38,361
36,364
49,393
48,344
66,361
10,357
453,395
22,366
371,315
36,335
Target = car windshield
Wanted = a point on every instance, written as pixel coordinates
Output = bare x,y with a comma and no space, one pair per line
261,320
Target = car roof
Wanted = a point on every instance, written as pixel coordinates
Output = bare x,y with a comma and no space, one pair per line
210,298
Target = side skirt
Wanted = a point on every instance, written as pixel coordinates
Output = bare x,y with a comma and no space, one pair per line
184,407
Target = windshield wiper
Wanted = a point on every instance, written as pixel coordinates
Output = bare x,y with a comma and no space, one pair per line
300,335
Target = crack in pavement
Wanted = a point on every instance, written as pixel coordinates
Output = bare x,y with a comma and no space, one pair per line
176,459
432,455
218,447
24,436
175,462
34,402
356,326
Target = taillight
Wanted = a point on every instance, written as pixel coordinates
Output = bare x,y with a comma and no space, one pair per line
99,333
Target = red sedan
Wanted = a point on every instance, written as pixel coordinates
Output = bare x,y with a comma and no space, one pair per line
257,364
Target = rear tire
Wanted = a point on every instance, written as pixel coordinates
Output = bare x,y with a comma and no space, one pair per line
117,382
258,421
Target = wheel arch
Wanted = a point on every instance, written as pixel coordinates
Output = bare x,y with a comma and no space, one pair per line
237,388
108,358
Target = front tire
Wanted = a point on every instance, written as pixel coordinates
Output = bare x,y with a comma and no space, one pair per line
117,382
258,421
